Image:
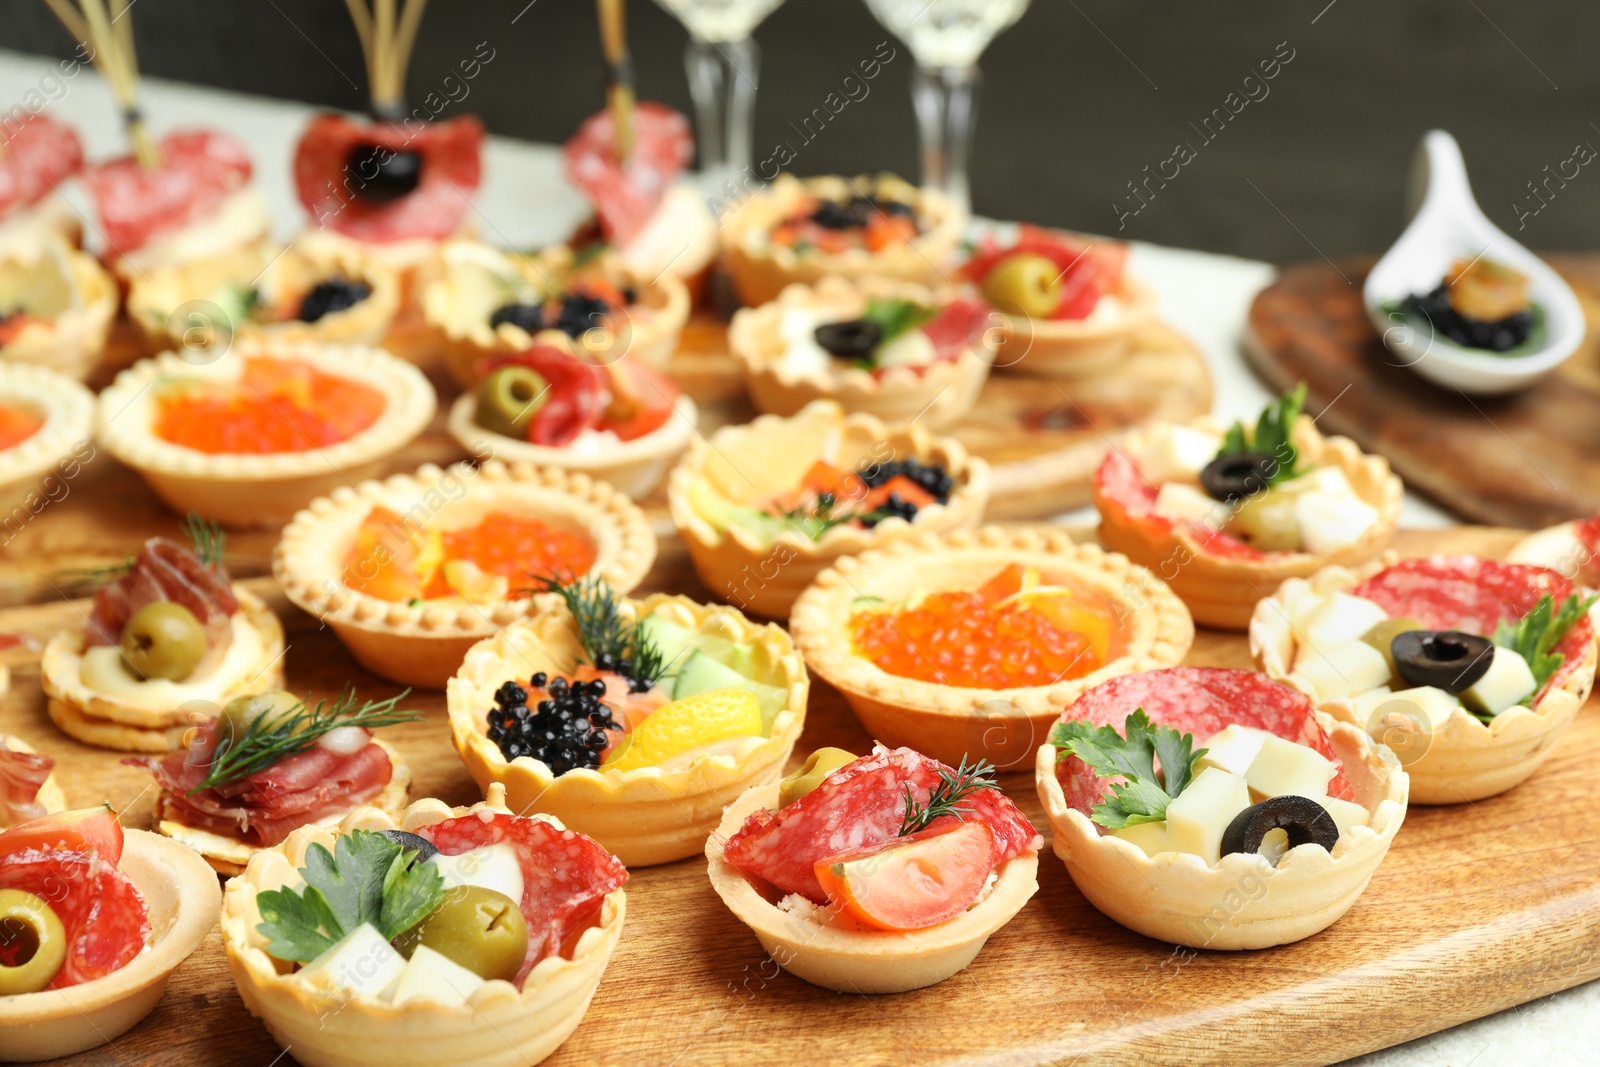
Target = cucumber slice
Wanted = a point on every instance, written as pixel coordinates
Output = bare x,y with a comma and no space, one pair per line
702,673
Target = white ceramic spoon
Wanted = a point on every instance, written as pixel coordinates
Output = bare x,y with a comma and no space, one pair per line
1449,226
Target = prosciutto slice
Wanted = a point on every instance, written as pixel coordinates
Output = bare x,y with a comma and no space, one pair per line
167,570
263,808
21,776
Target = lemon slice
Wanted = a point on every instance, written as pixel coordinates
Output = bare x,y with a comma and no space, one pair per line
39,280
693,722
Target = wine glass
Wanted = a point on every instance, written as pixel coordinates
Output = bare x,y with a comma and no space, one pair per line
723,65
946,37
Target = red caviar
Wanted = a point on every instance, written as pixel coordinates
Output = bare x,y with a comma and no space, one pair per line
278,405
16,426
983,639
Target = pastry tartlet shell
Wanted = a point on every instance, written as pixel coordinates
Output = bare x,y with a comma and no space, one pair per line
423,645
937,395
106,722
1066,348
67,409
760,270
861,961
182,896
1241,902
50,796
261,489
644,816
951,723
1465,759
766,578
635,467
1222,592
499,1026
74,347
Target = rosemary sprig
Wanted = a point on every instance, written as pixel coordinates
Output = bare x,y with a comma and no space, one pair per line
945,798
208,539
271,738
610,640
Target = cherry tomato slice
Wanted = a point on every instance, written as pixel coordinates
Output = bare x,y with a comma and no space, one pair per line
642,400
80,830
911,882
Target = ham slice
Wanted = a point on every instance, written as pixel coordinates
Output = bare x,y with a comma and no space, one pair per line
21,776
167,570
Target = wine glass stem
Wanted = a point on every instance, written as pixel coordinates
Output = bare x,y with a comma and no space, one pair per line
722,80
946,101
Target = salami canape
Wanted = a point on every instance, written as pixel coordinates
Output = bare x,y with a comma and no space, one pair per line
804,230
109,915
39,154
1467,668
170,638
412,571
1262,825
1071,305
765,506
973,642
633,721
56,305
1224,515
28,788
622,421
46,421
485,938
271,763
253,435
875,875
890,349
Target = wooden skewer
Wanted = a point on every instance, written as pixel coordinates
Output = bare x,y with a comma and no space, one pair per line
109,31
619,88
388,33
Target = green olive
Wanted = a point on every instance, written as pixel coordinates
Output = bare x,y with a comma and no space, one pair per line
267,708
33,943
508,400
480,929
818,765
163,640
1024,284
1382,636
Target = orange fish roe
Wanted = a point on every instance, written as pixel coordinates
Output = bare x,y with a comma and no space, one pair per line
16,426
964,639
278,405
520,548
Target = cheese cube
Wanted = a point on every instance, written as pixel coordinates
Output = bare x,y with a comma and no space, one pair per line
1232,748
1346,813
1338,618
1428,705
1505,684
1342,670
1197,819
1184,503
493,867
1151,837
1330,480
1283,767
1177,453
361,962
1366,703
1329,523
435,977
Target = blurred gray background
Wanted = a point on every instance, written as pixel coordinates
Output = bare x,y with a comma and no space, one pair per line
1080,96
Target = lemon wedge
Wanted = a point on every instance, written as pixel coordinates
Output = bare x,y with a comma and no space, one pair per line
693,722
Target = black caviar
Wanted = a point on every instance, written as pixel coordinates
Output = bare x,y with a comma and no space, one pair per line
1501,335
930,477
564,731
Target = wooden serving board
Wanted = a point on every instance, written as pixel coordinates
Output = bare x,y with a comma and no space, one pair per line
1522,460
1478,908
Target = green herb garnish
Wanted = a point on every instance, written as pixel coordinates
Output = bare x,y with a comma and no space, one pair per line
1540,630
366,879
820,518
1147,792
945,798
275,737
208,539
895,317
1274,435
610,640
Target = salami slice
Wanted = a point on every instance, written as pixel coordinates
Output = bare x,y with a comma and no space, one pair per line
199,169
1119,484
625,196
1088,269
1198,701
37,154
957,329
1473,595
565,875
106,920
451,156
1587,533
860,804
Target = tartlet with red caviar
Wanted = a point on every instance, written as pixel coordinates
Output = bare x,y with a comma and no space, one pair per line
46,423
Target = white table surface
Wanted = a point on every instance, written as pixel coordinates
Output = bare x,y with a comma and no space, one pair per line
525,203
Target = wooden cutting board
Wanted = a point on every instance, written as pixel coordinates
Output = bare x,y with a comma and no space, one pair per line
1526,460
1477,908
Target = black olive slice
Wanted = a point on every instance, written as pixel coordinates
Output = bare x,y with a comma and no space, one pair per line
1238,475
849,340
529,317
1445,659
381,175
1303,819
412,843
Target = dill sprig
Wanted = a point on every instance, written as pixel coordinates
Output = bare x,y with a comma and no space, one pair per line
818,519
611,640
272,738
945,798
208,539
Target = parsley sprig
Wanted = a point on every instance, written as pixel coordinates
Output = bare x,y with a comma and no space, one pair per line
274,737
1133,755
1273,436
893,318
946,797
367,878
1534,635
611,640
